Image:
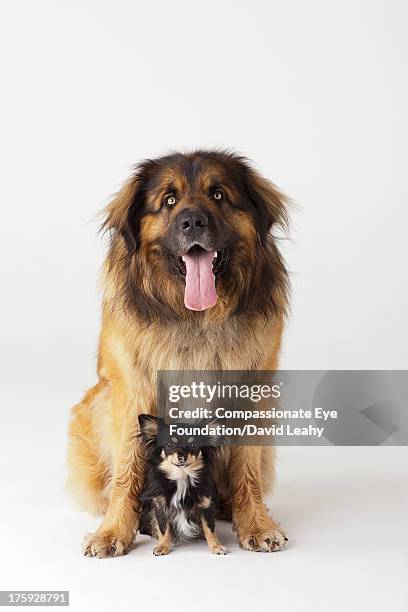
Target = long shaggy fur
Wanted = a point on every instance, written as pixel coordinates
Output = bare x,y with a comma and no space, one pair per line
146,327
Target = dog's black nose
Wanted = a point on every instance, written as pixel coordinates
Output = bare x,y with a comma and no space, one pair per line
182,458
192,221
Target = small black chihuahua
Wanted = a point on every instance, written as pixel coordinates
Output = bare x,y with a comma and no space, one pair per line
179,499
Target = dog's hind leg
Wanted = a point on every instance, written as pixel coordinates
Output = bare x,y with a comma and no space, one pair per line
88,469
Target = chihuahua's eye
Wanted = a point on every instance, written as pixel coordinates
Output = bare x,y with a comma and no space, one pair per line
217,195
170,200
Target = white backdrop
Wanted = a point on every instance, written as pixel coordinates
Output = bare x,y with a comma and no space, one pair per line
314,92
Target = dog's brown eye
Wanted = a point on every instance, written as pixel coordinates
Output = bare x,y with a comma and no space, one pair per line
170,200
218,195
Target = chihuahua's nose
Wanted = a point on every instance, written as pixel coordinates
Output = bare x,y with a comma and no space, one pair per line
182,458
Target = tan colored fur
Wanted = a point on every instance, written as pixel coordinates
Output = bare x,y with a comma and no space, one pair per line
214,545
103,444
106,464
164,543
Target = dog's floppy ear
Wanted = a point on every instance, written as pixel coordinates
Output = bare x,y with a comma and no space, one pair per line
268,201
124,214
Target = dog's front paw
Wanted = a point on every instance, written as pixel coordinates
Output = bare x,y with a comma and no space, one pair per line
104,544
269,539
219,549
161,549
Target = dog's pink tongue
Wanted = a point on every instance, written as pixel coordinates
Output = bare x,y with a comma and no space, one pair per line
200,291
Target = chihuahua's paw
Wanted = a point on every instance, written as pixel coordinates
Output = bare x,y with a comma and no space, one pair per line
219,549
161,549
271,540
104,544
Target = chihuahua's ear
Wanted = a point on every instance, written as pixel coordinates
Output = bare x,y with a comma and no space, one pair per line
214,438
149,426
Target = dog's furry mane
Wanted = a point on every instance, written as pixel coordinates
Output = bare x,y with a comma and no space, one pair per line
256,284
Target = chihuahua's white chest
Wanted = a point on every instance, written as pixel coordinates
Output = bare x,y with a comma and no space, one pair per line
184,478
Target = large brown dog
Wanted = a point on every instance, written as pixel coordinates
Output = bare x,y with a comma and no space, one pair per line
193,280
